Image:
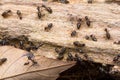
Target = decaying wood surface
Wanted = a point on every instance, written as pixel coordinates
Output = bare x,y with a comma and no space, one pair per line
14,68
64,19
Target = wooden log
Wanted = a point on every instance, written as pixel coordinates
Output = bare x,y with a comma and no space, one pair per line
64,20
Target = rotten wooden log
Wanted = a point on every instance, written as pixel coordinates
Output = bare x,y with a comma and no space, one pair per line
64,20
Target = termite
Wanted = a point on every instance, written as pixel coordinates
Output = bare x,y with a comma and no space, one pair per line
3,60
19,14
47,9
107,33
78,44
7,13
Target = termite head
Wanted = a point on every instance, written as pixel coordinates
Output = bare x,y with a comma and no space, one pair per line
105,29
87,37
91,35
76,55
66,2
89,1
18,12
43,5
46,29
86,18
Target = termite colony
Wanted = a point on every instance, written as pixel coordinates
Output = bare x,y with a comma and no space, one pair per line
92,37
78,45
21,42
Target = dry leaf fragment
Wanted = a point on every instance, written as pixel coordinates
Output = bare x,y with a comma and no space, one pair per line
14,68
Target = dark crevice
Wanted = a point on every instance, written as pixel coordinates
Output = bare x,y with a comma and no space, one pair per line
88,71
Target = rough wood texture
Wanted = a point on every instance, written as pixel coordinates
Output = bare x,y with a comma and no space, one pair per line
102,16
